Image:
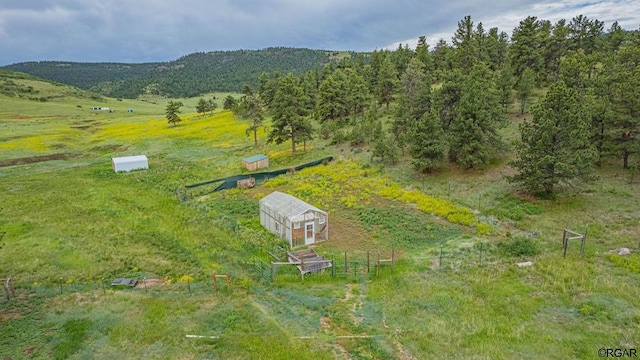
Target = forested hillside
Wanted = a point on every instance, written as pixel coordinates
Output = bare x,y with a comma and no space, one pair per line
188,76
448,106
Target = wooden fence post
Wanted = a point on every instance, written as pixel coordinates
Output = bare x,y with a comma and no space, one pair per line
393,252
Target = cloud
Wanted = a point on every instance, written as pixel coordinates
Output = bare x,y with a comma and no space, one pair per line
162,30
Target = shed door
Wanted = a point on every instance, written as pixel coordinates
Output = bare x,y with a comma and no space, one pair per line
309,233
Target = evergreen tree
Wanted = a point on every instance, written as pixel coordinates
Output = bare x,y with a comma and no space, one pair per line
473,136
443,59
289,110
251,108
585,34
422,53
556,49
555,146
202,106
415,100
465,44
447,98
172,110
212,105
427,143
505,86
626,103
495,47
229,103
267,86
357,92
387,82
525,88
385,147
525,47
332,97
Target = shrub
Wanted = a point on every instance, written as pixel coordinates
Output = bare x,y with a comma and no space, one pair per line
518,247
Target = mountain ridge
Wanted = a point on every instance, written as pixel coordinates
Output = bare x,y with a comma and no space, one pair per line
190,75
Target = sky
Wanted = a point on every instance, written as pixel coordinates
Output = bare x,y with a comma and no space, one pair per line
136,31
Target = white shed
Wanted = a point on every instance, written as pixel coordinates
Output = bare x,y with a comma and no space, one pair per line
293,219
128,163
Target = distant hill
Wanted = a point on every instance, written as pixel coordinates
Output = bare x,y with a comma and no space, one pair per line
189,76
24,86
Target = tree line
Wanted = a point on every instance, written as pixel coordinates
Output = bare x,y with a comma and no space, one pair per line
189,76
448,104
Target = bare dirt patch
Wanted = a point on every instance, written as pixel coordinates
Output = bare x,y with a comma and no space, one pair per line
37,159
149,283
348,234
109,148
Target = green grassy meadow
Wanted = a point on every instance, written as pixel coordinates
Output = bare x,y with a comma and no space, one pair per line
69,225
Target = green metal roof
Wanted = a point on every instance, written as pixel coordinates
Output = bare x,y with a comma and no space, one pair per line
254,158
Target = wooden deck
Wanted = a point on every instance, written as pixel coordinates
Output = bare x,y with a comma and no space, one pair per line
308,261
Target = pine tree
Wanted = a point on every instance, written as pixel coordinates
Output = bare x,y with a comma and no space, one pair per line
626,103
505,86
172,110
289,110
229,102
202,106
525,47
466,46
251,108
473,136
387,82
332,97
415,100
525,88
554,147
427,143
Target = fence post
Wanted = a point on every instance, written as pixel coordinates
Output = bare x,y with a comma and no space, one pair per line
481,248
333,268
345,262
368,270
440,263
565,242
393,253
60,285
584,239
104,291
272,272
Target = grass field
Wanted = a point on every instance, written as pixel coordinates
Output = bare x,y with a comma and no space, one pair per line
69,225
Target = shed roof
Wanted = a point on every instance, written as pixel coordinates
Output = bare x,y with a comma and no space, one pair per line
287,205
255,158
129,159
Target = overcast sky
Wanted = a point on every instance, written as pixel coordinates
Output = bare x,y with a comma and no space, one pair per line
163,30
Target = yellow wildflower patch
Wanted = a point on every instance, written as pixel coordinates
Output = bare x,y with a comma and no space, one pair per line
222,127
348,184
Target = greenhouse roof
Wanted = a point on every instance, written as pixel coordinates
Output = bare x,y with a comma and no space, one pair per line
287,205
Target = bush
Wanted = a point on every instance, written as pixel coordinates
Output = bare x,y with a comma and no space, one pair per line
518,247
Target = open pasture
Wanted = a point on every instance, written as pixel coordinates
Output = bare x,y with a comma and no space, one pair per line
69,225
